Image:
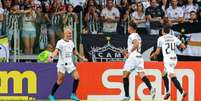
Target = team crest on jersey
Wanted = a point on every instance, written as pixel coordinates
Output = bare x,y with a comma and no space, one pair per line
107,53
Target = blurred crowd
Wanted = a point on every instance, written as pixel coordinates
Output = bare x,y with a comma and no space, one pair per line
37,23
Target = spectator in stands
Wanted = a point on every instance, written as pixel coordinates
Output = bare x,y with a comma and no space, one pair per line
43,56
193,17
154,14
42,23
124,16
1,18
56,9
92,20
123,8
89,4
6,6
175,13
110,16
132,8
139,18
70,17
29,31
13,26
188,7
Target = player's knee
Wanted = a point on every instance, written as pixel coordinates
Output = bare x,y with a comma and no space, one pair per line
125,74
76,78
60,81
141,74
171,75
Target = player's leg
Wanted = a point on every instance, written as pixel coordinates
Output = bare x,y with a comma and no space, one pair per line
170,69
166,83
145,79
126,84
141,73
148,83
76,78
60,79
129,64
177,85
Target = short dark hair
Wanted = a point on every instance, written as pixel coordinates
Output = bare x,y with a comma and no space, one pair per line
166,28
133,25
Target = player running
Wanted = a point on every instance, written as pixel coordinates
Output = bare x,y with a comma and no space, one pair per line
168,43
134,61
65,49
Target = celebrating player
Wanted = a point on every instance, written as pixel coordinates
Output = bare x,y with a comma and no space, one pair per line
134,61
65,49
168,44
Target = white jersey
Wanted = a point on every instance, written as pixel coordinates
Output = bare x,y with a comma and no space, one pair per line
135,61
174,14
168,44
188,8
131,38
112,14
65,51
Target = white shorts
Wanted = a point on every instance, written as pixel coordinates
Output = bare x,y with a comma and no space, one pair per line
134,63
170,66
69,67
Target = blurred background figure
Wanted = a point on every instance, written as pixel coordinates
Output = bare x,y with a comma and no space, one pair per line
43,56
29,31
139,18
70,17
154,14
1,18
54,27
189,6
110,16
92,18
174,13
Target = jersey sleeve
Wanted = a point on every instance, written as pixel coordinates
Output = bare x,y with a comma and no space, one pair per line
59,45
159,42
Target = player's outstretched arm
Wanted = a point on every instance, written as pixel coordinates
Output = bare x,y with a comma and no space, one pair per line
75,52
55,53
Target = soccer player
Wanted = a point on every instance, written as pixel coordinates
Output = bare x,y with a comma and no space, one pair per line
65,49
168,43
134,61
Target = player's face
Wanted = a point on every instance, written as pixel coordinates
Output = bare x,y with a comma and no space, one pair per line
130,29
68,34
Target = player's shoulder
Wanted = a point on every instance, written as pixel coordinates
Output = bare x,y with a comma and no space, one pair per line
60,41
134,35
161,38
